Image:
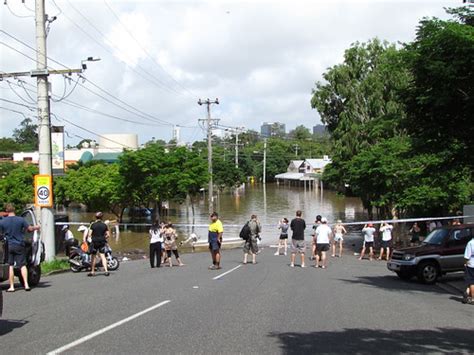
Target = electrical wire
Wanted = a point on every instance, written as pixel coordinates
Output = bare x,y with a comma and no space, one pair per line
24,89
18,95
89,131
14,14
157,82
26,7
16,50
65,96
145,51
31,108
15,111
93,84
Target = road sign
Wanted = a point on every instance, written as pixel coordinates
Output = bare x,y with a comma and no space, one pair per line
43,191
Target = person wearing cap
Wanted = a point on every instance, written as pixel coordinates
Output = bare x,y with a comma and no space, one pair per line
99,233
368,232
316,224
69,240
323,236
339,232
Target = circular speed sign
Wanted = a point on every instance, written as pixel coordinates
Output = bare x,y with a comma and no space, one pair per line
43,193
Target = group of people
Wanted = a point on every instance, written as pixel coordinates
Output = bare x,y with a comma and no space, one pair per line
163,244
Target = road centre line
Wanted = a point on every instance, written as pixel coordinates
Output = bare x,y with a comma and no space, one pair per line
227,272
106,329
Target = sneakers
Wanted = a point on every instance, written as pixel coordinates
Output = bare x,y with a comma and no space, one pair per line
292,265
277,253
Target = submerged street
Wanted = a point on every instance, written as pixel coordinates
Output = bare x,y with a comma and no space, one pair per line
351,307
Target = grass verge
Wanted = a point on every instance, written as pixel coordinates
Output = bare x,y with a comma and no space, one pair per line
55,265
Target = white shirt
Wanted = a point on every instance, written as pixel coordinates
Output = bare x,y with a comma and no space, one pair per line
368,234
155,236
386,232
469,253
68,235
323,232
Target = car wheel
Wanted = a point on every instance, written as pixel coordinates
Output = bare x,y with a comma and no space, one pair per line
404,275
428,272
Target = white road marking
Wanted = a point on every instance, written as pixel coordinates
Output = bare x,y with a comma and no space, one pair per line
106,329
227,272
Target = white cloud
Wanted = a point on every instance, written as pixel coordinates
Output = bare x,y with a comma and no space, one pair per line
261,58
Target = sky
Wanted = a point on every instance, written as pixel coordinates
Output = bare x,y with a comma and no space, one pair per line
260,58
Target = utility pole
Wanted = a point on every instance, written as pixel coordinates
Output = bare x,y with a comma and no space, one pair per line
264,161
209,121
297,147
44,130
41,74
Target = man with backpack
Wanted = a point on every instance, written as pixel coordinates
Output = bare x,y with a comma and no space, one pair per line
251,246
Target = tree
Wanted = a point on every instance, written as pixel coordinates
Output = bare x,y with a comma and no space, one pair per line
17,184
27,134
8,146
440,97
98,186
300,133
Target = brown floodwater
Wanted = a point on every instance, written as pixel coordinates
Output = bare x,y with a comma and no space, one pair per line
270,203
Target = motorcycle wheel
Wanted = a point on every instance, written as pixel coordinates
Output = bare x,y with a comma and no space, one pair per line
75,268
113,264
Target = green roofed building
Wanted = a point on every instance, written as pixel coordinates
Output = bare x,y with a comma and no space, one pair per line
111,157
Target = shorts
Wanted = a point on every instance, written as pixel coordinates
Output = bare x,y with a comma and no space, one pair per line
415,239
298,246
469,275
97,247
251,246
175,252
368,244
214,243
16,255
338,237
322,247
386,244
283,236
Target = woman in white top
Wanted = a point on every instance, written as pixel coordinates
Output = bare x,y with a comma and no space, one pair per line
339,232
156,238
386,230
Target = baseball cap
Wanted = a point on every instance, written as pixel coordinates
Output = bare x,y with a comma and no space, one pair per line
324,220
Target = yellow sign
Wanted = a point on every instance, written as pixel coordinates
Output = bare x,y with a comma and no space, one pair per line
43,191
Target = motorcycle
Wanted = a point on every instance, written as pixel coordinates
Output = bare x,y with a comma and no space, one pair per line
80,260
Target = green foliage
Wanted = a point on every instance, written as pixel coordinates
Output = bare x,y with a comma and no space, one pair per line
300,133
401,120
153,174
54,265
17,184
98,186
27,135
440,98
8,146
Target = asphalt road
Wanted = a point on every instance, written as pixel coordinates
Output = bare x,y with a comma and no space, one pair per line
268,308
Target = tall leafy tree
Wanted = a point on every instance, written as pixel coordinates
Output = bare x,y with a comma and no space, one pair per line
17,184
27,134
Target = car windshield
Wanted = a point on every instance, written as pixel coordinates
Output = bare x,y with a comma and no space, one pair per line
436,237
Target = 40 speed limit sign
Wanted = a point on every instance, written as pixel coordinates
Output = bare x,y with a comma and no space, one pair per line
43,191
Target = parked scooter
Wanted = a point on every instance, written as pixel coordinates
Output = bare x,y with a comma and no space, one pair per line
80,260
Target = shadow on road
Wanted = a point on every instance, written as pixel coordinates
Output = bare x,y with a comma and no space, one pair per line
6,325
370,341
393,283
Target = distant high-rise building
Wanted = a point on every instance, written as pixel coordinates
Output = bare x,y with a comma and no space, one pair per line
272,129
319,130
176,133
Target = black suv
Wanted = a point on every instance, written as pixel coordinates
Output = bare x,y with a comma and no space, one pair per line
441,252
34,253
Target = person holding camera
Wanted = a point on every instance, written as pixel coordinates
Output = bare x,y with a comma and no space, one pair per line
170,244
283,226
251,246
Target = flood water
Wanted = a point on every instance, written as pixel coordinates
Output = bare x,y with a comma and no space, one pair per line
270,203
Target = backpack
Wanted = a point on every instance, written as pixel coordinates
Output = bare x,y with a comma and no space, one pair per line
245,232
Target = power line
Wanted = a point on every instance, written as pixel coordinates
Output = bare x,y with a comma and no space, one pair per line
157,82
93,84
145,51
13,13
31,108
16,50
